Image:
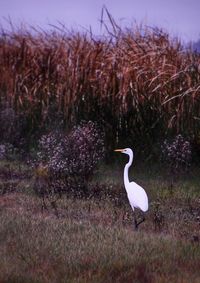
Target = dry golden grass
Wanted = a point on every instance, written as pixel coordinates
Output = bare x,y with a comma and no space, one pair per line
131,79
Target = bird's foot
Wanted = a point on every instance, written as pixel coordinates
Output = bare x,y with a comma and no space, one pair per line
136,224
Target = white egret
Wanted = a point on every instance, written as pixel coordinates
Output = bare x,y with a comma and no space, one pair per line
136,194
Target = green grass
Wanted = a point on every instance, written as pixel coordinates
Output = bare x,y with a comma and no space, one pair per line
93,240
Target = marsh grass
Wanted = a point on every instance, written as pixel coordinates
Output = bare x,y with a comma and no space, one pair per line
36,248
93,239
137,81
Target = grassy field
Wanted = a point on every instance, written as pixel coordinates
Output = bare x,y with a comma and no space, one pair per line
92,239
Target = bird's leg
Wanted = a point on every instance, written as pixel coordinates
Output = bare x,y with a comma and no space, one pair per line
142,220
135,222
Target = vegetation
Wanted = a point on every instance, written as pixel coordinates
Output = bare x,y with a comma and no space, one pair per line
74,154
65,216
92,239
137,83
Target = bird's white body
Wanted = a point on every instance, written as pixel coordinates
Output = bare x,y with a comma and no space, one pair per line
136,194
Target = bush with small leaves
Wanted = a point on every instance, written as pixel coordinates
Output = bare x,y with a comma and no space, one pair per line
72,157
2,151
7,151
177,154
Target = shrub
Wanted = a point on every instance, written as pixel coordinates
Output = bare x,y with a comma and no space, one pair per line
177,154
2,151
72,157
7,151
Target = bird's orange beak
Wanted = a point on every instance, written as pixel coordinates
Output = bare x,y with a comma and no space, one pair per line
118,150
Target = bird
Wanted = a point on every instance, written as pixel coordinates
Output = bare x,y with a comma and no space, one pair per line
136,194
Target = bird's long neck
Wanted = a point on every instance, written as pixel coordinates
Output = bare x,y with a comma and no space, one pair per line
126,179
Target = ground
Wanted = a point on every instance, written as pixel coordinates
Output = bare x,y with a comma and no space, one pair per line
92,239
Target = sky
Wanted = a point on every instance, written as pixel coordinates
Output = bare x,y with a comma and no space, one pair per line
179,17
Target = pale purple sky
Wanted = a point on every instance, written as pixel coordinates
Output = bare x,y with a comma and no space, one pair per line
180,17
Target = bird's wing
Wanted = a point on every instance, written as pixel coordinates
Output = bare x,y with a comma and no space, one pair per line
137,196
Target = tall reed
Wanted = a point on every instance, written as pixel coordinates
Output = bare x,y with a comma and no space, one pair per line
138,83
